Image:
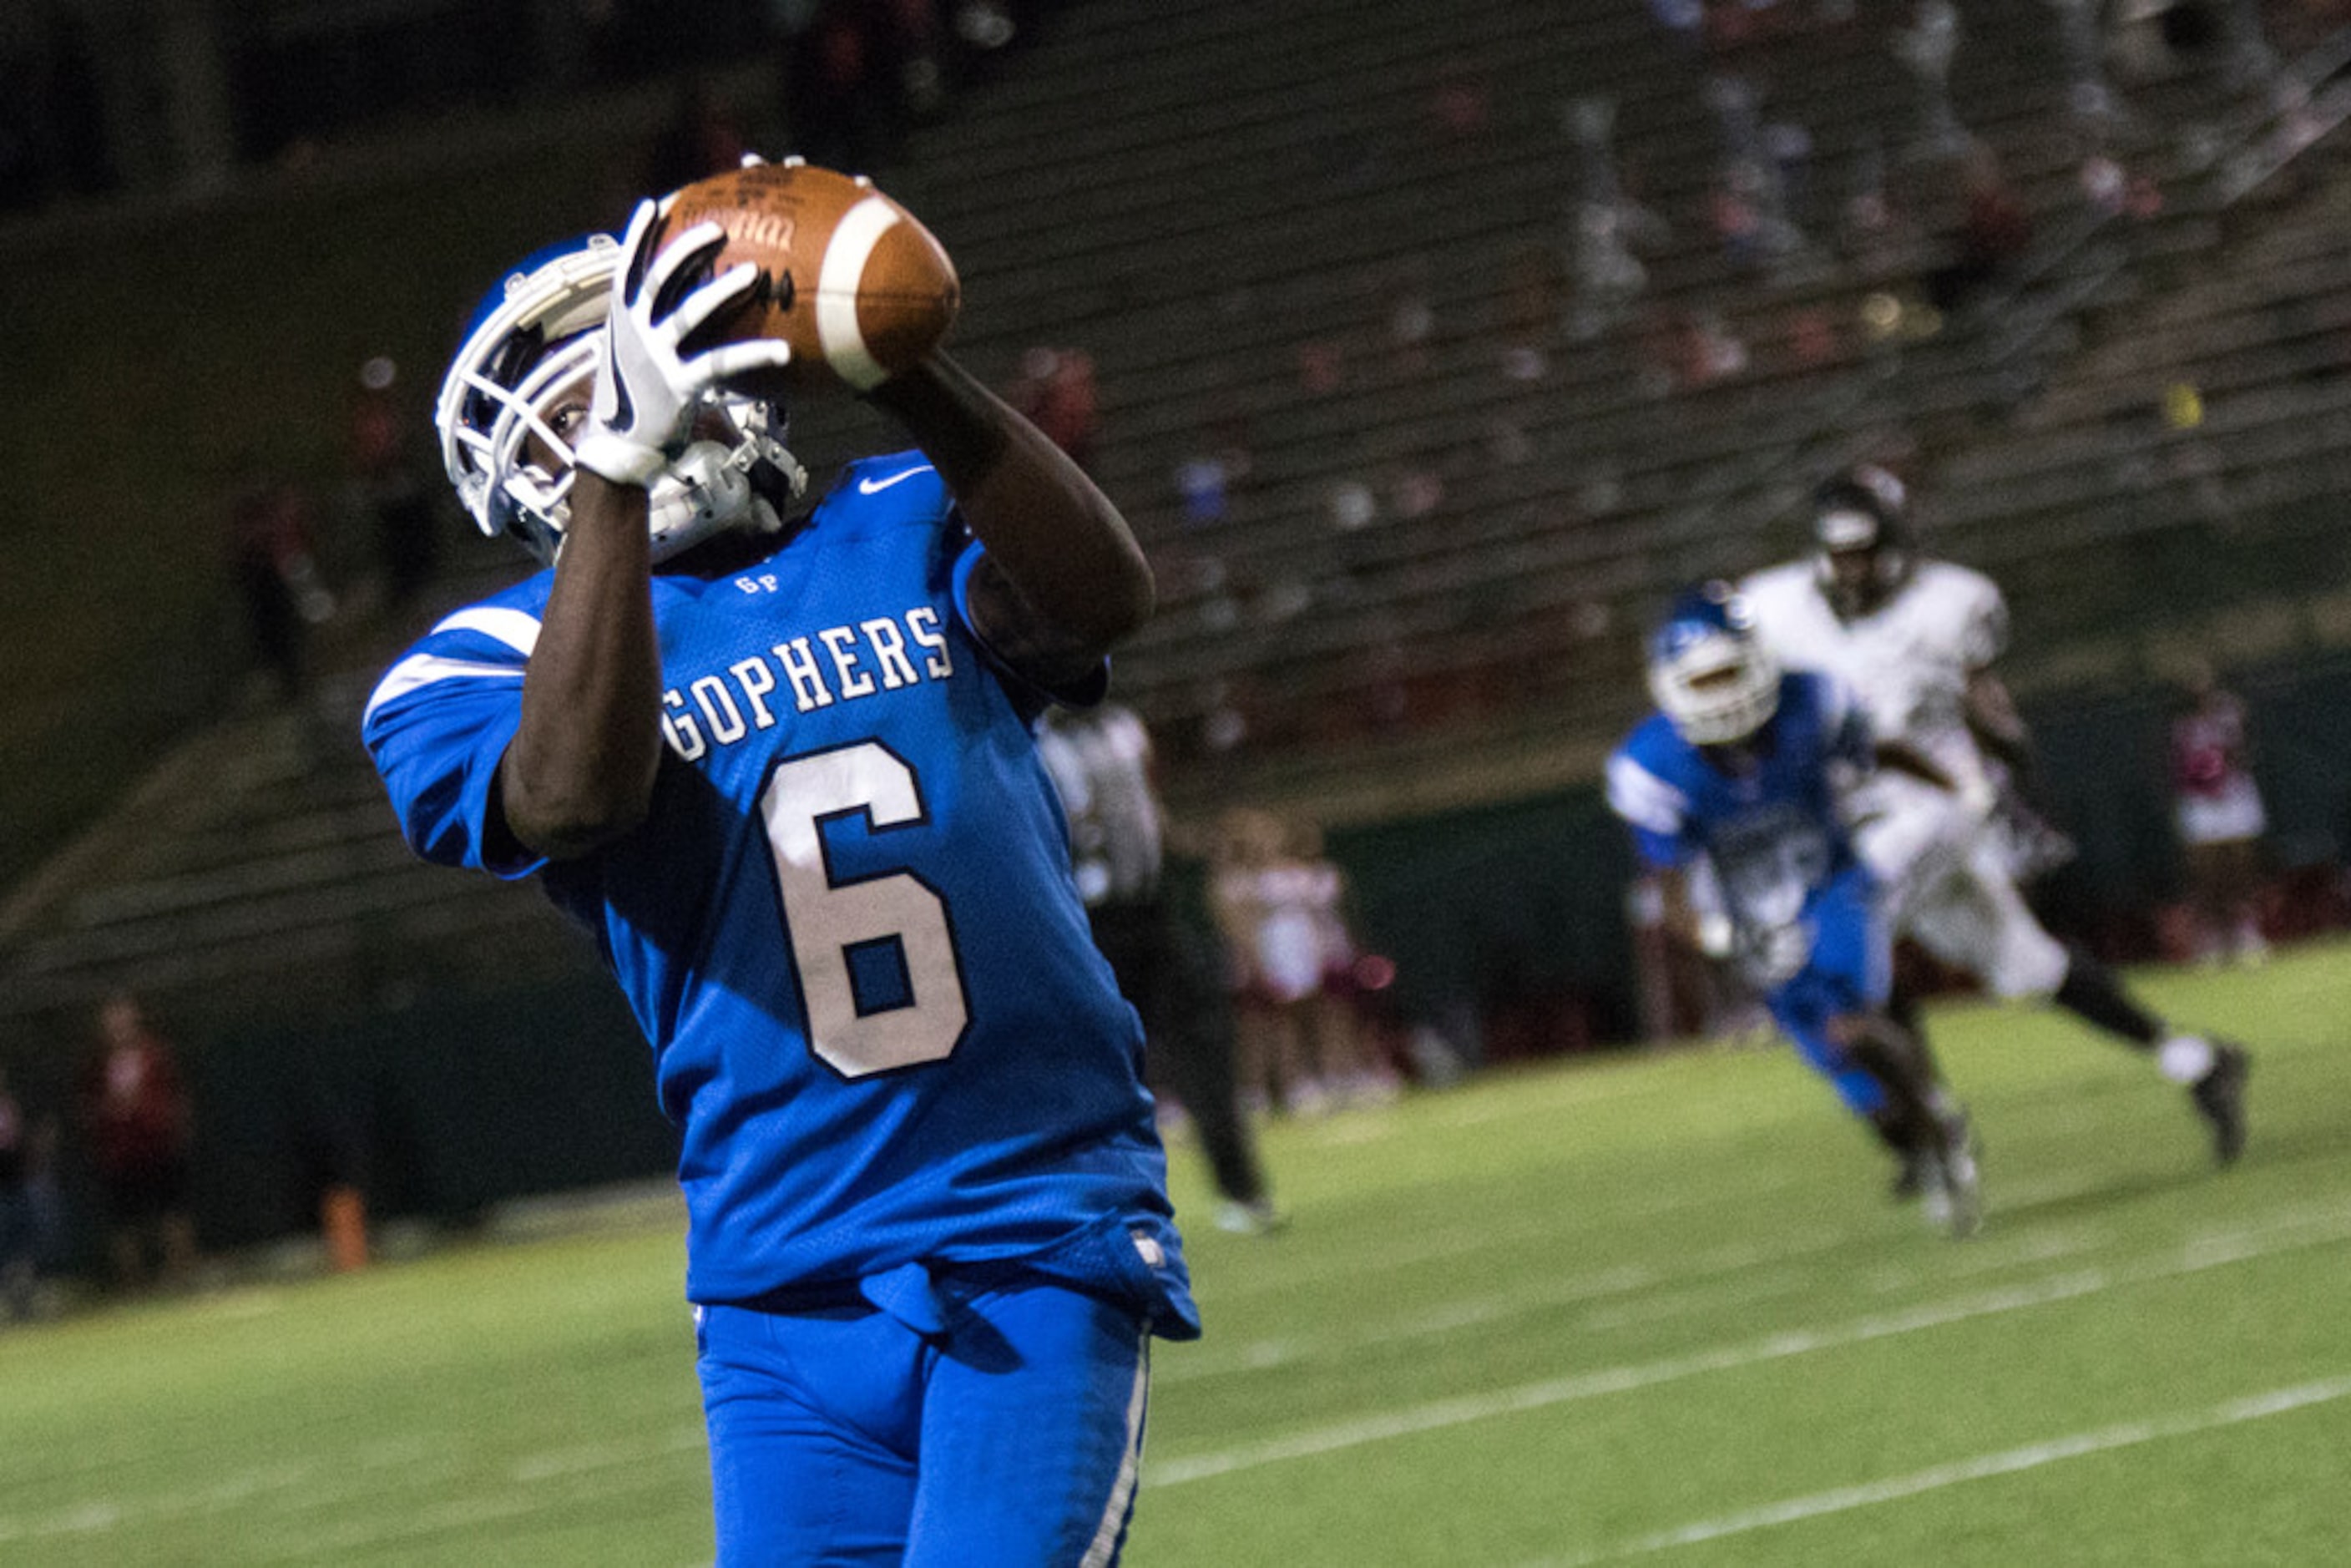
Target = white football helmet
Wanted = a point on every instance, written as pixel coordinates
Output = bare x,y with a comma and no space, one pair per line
1711,678
532,341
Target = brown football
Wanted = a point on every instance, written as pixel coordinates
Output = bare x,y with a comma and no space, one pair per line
851,279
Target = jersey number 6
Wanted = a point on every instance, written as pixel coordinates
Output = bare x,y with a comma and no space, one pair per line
830,920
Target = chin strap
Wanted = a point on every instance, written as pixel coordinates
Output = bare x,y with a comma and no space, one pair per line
703,491
709,489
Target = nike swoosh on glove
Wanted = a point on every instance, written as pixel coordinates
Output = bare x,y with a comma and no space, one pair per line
646,389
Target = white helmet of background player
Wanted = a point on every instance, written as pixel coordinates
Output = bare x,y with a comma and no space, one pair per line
520,382
1711,678
1861,532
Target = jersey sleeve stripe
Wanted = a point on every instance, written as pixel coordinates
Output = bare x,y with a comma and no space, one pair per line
425,669
1644,799
518,629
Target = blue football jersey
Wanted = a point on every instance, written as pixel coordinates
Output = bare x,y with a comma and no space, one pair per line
847,928
1770,825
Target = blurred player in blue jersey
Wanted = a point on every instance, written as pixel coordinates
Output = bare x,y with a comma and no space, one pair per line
786,774
1733,786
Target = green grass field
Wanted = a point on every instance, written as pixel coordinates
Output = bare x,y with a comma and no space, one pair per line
1627,1309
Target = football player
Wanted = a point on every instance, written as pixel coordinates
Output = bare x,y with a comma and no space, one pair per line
1732,785
1102,761
785,773
1915,639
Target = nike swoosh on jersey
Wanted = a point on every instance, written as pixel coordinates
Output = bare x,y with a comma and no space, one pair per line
876,486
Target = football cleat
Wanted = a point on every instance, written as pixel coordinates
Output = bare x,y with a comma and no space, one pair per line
2219,1098
1952,1192
1258,1216
1910,1176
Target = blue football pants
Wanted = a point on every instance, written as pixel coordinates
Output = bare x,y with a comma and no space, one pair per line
840,1435
1851,970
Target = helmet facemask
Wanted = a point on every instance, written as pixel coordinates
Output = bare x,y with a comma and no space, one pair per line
534,346
1708,675
1717,692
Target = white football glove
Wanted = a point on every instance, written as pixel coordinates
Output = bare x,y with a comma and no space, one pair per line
643,410
1979,798
1771,954
1715,938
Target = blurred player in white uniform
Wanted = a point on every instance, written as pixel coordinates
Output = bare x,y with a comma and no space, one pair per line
1914,639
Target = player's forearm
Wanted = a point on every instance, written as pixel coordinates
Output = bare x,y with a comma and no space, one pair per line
1991,718
580,771
1895,757
1057,539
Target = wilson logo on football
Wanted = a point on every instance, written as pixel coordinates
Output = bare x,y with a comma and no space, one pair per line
771,230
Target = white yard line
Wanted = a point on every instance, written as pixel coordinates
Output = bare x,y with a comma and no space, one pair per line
1451,1316
2039,1245
283,1490
547,1493
99,1514
285,1493
1626,1292
1417,1247
1979,1467
2199,1253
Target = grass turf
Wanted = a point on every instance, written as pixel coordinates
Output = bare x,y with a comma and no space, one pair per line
1629,1308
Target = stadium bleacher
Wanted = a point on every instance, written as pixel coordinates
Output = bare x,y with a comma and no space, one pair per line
1222,204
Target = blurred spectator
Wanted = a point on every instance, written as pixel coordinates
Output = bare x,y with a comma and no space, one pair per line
388,487
2083,41
1410,327
1760,180
1789,146
1926,49
1685,19
841,99
1528,310
920,48
1993,230
2114,191
1281,906
2217,807
860,74
1705,350
1102,762
1608,223
1738,221
1320,368
1200,482
1460,105
20,1242
139,1126
1056,390
699,138
271,554
1811,337
1872,228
